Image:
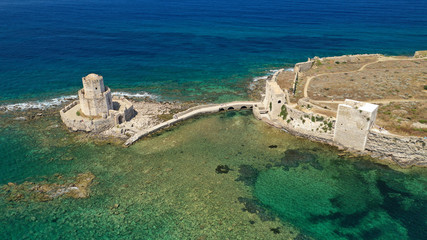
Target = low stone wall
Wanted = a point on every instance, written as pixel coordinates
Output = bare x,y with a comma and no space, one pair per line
349,58
76,122
405,151
303,66
97,125
69,106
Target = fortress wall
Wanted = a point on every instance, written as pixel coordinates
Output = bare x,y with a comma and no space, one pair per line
303,66
129,113
350,58
299,130
405,151
69,106
308,123
294,85
97,125
351,129
299,68
290,118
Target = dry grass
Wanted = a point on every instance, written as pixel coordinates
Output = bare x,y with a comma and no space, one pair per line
403,118
340,64
382,80
285,79
390,79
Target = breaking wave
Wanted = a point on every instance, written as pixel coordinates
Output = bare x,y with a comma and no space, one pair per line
55,102
135,95
264,77
38,104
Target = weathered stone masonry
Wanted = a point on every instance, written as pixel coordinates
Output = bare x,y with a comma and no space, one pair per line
351,128
96,110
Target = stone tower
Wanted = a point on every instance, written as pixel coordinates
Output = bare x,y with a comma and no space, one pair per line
354,119
95,98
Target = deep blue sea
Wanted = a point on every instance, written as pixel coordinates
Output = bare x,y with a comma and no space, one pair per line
166,186
188,49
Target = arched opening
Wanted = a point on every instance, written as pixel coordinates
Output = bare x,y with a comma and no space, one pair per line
280,101
120,119
231,108
243,107
221,109
251,107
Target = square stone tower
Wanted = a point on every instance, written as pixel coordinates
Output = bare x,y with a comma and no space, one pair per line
95,98
354,119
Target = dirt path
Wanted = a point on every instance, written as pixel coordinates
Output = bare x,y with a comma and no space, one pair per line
377,101
380,59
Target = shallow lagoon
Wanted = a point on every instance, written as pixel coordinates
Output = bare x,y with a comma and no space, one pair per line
166,186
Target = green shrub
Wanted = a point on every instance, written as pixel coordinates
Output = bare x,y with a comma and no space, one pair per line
271,106
78,113
283,112
422,121
319,119
425,87
330,125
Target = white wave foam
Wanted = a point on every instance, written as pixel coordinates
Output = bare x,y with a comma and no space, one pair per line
270,72
38,104
135,95
54,102
256,79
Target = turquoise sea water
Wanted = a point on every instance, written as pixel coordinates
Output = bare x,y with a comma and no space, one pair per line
166,186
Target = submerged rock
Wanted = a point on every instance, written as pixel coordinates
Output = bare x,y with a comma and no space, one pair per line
43,191
248,174
222,169
293,158
254,206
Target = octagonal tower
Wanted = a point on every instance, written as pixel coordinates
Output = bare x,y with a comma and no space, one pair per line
95,98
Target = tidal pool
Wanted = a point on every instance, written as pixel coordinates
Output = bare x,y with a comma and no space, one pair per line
167,187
